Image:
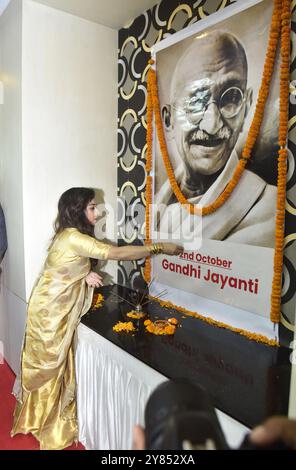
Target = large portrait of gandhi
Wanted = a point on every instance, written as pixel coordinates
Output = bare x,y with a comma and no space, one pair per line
210,101
204,115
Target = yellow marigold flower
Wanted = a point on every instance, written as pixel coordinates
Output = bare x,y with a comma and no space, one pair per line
124,326
98,301
135,315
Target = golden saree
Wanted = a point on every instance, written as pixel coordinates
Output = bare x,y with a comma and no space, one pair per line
46,387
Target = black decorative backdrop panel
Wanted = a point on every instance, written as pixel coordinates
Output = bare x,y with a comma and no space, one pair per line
135,42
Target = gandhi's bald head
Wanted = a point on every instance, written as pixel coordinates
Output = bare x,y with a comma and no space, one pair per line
210,53
209,101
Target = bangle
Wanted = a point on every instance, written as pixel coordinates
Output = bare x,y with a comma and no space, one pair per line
155,248
160,248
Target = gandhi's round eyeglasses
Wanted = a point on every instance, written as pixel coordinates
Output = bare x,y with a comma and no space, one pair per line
229,104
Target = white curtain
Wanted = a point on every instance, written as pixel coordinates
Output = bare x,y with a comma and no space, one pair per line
112,390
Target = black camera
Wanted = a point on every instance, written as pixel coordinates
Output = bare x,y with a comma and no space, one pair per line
180,416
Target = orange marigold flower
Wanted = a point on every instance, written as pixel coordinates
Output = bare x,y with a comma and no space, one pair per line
160,327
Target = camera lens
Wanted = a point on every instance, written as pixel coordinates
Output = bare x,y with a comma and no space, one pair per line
178,411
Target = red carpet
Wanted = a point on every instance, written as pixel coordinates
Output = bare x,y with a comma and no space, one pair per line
7,403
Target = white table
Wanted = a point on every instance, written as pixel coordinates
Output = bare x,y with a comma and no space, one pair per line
112,390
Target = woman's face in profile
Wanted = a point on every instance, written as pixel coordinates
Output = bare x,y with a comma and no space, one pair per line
91,212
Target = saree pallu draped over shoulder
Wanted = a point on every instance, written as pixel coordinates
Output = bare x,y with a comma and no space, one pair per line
46,387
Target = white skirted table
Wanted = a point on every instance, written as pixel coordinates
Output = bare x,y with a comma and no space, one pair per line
112,390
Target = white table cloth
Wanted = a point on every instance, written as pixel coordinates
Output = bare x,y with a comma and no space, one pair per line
112,390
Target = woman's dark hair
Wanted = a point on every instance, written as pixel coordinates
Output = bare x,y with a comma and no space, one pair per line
71,212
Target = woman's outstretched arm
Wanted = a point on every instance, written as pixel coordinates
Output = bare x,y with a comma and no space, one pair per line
129,252
84,245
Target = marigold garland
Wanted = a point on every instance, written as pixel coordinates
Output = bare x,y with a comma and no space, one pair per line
147,270
275,309
248,334
153,100
280,28
149,140
149,133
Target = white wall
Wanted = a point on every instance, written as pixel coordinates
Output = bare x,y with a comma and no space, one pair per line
11,187
69,118
57,130
12,295
3,5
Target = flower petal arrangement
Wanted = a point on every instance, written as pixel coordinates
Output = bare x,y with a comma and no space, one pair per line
135,315
126,327
160,327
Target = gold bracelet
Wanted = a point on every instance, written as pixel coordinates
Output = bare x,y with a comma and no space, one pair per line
155,248
151,249
160,248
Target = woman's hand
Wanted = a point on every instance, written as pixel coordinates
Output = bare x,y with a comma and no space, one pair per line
172,249
93,279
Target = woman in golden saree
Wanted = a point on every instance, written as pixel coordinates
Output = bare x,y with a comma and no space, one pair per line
63,292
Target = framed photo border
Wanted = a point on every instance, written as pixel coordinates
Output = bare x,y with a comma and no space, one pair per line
211,20
198,27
